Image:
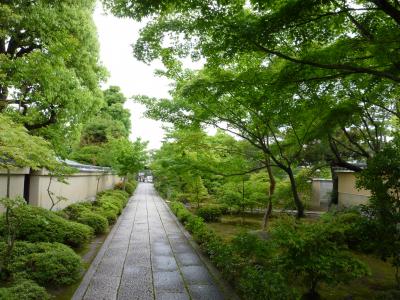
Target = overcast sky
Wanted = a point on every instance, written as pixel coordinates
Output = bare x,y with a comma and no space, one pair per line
135,78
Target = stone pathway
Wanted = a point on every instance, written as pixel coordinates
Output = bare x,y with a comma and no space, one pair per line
147,256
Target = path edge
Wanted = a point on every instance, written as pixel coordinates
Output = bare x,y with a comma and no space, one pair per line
228,291
81,290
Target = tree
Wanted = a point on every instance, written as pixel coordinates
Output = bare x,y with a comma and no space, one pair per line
350,43
110,123
49,66
344,60
20,149
126,157
314,253
382,178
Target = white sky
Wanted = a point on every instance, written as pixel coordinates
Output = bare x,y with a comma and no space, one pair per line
116,36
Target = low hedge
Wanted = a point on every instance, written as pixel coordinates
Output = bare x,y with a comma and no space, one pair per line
83,213
24,290
210,213
130,186
48,264
251,279
110,203
41,225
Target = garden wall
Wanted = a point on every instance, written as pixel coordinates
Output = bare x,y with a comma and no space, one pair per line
82,185
349,195
321,193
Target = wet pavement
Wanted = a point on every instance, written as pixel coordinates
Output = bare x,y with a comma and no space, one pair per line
147,255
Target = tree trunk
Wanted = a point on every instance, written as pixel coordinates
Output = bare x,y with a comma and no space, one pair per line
272,184
8,183
296,197
53,203
335,188
97,186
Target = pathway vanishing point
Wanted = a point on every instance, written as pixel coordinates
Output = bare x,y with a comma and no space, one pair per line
147,256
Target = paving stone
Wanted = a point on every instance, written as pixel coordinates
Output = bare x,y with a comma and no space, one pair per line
205,292
163,295
102,287
188,259
181,247
168,281
164,263
159,249
110,267
148,253
196,275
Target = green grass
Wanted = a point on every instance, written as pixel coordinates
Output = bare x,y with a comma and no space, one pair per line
231,225
382,278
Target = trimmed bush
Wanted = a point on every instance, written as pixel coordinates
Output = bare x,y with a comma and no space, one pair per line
130,186
41,225
24,290
110,204
49,264
83,213
96,221
210,213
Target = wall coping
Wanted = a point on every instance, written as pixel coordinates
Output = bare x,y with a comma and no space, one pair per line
15,171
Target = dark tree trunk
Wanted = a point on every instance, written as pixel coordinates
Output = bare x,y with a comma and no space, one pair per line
8,183
335,187
296,197
272,184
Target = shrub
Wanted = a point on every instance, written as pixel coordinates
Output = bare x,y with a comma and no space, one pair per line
130,186
119,185
252,280
24,290
110,203
314,251
40,225
96,221
388,295
83,213
46,263
210,213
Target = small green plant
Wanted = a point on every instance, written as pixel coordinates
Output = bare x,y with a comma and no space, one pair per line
24,289
209,213
83,213
10,229
37,224
49,264
316,253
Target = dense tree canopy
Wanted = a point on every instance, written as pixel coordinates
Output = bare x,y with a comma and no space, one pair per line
49,66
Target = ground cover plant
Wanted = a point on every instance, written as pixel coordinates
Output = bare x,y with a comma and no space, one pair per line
40,240
37,224
309,257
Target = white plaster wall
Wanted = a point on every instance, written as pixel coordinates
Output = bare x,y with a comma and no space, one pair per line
80,187
17,180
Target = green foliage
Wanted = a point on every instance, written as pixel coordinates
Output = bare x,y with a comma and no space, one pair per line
82,213
382,178
40,225
52,70
109,204
209,213
98,223
24,289
239,262
316,253
130,186
49,264
20,149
